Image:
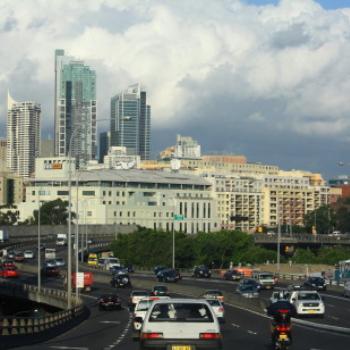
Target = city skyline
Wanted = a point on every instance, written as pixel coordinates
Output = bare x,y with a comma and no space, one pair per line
270,82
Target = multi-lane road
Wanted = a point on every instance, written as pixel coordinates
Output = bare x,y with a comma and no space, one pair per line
243,329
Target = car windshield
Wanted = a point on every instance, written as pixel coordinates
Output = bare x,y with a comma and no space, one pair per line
214,292
266,276
181,312
316,280
143,305
139,293
160,288
308,296
214,302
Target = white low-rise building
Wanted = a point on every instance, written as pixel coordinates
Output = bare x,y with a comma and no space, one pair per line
112,196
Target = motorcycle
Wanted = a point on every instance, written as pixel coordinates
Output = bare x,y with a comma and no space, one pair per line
282,338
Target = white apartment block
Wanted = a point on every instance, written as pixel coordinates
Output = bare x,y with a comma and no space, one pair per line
110,196
23,136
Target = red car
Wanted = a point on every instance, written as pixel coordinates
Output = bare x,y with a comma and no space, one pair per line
8,264
9,272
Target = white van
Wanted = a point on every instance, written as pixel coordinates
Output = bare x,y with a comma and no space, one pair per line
50,253
346,291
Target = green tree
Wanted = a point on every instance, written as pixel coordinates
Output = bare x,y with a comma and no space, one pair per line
324,218
8,218
53,213
304,256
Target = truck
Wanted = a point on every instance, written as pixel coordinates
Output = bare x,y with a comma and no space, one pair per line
83,280
61,239
4,235
50,253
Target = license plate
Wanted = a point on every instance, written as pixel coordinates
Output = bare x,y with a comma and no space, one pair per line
283,337
181,347
311,311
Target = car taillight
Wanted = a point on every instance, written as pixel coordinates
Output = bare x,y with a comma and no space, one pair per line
151,335
283,328
209,336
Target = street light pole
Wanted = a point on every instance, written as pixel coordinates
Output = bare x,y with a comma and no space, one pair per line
77,240
278,240
173,260
39,244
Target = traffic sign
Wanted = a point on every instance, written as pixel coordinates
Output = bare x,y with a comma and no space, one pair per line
80,280
179,217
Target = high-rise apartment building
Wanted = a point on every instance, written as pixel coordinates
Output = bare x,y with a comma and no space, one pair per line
131,121
187,147
23,136
105,139
75,108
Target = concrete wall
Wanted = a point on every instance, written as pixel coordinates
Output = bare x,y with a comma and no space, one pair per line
93,230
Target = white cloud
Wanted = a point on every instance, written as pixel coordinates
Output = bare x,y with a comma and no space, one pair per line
186,51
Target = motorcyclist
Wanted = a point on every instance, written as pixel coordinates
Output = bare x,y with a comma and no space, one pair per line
281,312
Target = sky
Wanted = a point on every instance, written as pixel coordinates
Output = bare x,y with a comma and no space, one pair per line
266,79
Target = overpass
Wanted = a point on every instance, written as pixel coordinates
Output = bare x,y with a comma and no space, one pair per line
302,240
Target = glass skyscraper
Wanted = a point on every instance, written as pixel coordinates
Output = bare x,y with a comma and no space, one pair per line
131,121
75,108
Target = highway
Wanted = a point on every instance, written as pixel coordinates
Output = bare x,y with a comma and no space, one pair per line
242,330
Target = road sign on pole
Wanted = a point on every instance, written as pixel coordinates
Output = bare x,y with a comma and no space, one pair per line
179,217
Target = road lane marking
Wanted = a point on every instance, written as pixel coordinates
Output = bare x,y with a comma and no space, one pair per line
108,322
69,347
251,332
235,325
122,335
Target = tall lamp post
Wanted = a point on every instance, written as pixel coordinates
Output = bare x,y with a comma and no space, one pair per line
39,243
278,239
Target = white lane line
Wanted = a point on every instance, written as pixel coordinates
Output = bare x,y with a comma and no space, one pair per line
110,322
69,347
252,332
122,335
335,297
235,325
334,318
330,305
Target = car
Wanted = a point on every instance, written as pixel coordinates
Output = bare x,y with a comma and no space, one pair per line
218,309
50,271
111,263
11,254
280,295
201,271
160,291
265,279
346,291
141,309
50,263
109,302
252,282
316,283
118,269
120,280
19,257
8,264
168,275
136,296
60,262
9,272
214,294
28,254
248,290
307,302
232,275
158,268
180,324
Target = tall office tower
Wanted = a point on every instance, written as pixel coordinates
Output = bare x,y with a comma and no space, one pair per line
3,154
75,108
23,136
104,145
131,121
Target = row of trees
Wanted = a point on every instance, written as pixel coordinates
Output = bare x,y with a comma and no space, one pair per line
51,213
149,248
324,255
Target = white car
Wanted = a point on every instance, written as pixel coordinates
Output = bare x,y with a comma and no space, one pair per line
346,291
28,254
142,307
60,262
266,279
136,296
218,309
307,302
180,324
